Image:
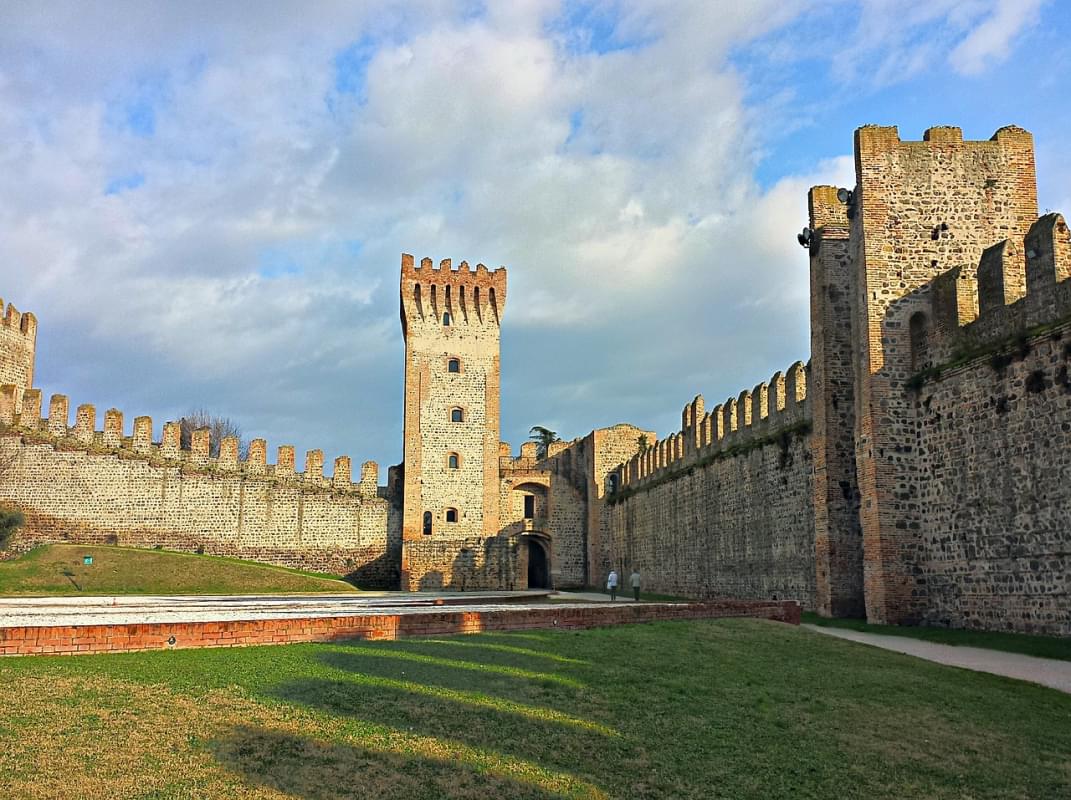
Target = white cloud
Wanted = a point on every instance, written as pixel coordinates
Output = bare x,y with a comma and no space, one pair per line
254,268
990,42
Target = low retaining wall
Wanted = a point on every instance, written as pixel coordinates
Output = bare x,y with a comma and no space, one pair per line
86,639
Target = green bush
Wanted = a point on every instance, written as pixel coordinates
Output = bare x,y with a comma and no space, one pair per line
10,521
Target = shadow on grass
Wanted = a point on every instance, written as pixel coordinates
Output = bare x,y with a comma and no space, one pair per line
385,764
469,716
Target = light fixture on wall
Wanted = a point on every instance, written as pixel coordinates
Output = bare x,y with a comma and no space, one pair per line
805,237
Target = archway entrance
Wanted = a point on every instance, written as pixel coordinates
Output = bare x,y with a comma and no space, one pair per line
538,568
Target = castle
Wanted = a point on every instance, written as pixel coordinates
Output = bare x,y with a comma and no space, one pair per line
916,470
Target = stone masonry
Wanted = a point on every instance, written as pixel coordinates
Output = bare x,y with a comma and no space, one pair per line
916,470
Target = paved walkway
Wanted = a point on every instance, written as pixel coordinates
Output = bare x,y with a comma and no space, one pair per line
1049,672
132,609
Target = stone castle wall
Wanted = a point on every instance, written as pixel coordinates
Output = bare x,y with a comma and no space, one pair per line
724,507
991,430
83,485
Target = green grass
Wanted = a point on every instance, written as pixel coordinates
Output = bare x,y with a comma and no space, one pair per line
729,709
58,570
1040,646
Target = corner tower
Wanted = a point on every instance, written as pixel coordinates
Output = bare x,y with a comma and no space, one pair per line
450,323
918,210
18,338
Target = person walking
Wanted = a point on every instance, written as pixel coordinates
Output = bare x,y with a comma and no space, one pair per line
634,581
611,584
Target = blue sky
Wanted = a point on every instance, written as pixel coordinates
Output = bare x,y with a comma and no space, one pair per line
205,204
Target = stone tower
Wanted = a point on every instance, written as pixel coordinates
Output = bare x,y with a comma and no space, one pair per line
919,209
450,323
18,337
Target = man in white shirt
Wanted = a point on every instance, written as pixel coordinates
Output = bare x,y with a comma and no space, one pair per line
611,584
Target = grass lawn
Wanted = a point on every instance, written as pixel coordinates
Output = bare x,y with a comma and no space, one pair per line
726,709
1041,646
58,570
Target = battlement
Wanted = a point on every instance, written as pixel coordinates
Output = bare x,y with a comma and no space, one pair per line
1016,287
112,440
882,138
769,409
826,211
469,295
23,323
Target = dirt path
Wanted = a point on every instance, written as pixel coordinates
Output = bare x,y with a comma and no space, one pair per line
1046,671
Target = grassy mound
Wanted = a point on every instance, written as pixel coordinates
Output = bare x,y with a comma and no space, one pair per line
59,570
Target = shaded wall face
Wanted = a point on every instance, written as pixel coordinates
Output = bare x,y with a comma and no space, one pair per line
740,527
477,563
997,495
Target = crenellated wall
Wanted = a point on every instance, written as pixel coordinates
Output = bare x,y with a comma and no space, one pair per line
991,427
723,508
84,484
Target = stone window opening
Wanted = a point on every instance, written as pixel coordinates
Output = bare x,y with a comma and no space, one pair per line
427,523
447,319
453,365
457,415
529,506
451,515
453,461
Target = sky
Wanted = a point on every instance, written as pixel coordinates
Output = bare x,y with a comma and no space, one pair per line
205,203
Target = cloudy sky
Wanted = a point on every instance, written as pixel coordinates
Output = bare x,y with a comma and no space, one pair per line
205,203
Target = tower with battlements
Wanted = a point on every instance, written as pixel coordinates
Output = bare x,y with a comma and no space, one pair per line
450,323
18,337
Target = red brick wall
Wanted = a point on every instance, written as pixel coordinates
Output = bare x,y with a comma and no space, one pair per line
86,639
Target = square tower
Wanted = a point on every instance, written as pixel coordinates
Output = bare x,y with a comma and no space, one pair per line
919,209
18,337
450,323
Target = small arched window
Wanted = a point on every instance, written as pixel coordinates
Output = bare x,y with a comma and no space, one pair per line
451,515
447,319
453,461
612,482
453,365
427,523
457,415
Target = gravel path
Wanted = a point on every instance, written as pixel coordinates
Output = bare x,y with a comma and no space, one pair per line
1046,671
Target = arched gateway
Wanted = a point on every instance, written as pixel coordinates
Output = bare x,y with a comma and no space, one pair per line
538,563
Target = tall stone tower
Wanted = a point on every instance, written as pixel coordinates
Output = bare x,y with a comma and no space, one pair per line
919,209
450,323
18,337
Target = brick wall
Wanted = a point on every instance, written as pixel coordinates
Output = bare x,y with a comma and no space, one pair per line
87,639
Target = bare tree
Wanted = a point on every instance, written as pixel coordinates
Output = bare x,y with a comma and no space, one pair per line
218,429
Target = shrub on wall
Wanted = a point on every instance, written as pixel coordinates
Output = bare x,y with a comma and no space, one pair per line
10,521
